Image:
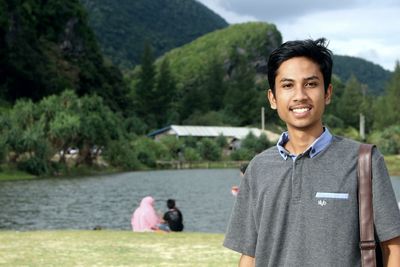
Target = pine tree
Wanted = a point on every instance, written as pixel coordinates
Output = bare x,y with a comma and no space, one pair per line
164,95
145,88
351,103
393,97
215,85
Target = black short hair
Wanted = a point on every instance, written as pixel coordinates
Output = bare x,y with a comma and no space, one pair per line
243,167
315,50
171,203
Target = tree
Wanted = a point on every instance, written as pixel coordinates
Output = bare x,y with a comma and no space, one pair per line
164,95
62,121
98,127
351,103
387,108
209,150
241,99
145,93
214,84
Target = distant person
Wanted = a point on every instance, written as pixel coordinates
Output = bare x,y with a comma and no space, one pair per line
235,188
243,168
173,217
145,218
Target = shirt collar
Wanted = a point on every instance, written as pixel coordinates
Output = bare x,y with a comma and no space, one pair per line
314,149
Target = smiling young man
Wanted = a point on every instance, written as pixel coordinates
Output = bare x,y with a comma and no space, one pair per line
297,204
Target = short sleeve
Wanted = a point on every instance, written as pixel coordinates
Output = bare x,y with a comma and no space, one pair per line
241,235
386,210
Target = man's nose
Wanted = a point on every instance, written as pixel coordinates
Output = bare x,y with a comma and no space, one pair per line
300,93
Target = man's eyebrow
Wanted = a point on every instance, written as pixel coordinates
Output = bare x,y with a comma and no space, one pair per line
286,80
314,77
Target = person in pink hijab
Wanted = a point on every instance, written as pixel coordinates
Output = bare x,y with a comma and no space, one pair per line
145,217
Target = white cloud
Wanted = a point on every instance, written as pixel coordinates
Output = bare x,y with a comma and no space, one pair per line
362,28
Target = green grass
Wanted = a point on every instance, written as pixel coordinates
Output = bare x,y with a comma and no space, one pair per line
14,174
393,164
113,248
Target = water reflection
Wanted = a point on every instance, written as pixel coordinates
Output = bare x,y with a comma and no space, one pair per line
203,196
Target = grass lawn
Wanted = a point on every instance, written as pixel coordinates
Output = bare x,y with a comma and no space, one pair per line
113,248
393,164
9,174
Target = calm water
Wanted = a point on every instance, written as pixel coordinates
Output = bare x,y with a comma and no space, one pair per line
83,203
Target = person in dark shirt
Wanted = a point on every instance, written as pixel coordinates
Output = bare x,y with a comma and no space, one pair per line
173,217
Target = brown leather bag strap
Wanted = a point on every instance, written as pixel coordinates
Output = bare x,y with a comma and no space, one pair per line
366,215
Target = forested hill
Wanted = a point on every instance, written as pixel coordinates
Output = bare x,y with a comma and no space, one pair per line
123,26
47,47
365,71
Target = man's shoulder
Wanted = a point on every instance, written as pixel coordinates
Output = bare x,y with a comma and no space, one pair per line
270,155
343,144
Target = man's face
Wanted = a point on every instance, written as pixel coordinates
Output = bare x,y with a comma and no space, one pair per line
299,97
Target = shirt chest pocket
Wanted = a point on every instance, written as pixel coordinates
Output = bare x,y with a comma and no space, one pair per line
332,206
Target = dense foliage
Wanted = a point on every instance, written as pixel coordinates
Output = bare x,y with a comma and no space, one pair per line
216,80
373,75
39,135
123,26
46,47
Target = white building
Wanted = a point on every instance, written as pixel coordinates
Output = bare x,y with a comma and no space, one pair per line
233,134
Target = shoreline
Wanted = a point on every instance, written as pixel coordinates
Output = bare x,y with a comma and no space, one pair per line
10,174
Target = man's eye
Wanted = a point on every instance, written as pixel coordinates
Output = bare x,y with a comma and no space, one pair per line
311,84
287,85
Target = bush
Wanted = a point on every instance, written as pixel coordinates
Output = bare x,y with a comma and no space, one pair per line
191,154
209,150
190,141
121,154
34,165
221,141
262,143
173,145
348,132
387,141
149,151
242,154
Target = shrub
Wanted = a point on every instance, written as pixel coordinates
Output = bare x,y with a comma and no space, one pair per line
173,145
221,141
191,154
34,165
121,154
209,150
387,141
149,151
242,154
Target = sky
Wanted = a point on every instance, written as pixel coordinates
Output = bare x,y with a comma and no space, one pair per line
368,29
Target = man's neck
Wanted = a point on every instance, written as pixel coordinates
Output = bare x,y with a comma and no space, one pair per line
299,141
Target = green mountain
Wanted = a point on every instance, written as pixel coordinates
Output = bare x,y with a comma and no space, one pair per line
366,72
123,26
47,47
220,77
254,41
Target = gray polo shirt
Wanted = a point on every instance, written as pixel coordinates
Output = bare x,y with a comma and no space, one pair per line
304,212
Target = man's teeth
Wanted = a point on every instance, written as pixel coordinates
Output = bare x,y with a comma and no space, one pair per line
300,110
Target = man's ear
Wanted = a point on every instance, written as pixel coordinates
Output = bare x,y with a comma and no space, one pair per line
271,99
328,94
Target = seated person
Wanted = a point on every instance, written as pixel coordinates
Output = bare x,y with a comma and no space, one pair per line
145,218
173,218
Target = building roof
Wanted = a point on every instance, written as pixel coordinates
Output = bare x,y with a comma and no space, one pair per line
213,131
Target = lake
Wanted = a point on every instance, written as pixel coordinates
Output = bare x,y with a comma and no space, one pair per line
204,197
